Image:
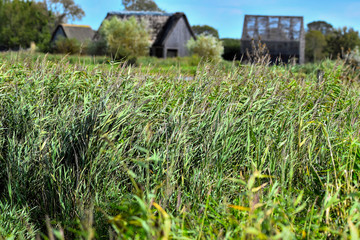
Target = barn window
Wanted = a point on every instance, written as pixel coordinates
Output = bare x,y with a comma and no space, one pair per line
159,52
171,53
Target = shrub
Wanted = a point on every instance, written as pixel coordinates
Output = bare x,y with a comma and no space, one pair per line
126,38
354,57
67,46
206,46
97,48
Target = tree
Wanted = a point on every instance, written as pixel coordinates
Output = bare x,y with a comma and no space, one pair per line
126,38
322,26
206,30
315,44
206,46
64,10
141,5
23,22
341,41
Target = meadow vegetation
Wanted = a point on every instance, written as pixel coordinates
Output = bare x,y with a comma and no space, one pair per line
236,152
206,46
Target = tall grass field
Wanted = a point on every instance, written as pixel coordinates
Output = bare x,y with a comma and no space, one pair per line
109,151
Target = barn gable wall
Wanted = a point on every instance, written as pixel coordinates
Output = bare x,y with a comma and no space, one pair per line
178,38
58,34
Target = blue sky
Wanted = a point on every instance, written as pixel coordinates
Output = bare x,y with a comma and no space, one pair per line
227,16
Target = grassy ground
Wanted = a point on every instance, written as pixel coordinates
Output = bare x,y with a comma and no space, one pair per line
150,65
238,152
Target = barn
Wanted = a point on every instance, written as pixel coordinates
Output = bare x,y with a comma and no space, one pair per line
169,32
283,36
82,33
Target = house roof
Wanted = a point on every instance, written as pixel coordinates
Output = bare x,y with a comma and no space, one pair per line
169,27
160,24
273,28
79,32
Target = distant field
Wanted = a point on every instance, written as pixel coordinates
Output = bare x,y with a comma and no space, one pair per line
177,149
185,65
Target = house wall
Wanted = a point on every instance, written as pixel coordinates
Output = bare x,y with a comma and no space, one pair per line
286,50
58,34
178,39
283,36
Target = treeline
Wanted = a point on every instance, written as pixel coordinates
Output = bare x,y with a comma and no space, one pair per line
23,22
324,41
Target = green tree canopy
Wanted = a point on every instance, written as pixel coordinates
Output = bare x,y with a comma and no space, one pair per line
206,30
64,10
141,5
315,44
341,41
322,26
206,46
126,38
23,22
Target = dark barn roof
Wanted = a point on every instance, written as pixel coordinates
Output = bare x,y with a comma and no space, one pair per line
155,20
169,27
160,24
79,32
